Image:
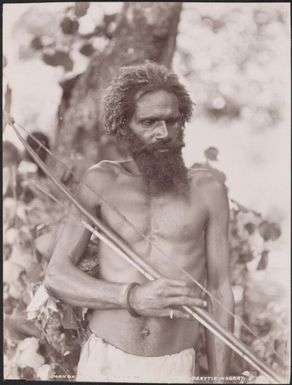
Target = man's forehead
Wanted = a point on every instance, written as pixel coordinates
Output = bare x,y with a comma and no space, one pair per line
152,94
155,100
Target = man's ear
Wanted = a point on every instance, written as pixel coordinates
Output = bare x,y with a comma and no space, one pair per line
123,131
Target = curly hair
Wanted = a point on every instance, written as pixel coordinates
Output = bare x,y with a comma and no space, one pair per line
119,98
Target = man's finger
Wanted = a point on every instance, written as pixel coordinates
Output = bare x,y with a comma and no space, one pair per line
175,313
179,291
184,300
181,314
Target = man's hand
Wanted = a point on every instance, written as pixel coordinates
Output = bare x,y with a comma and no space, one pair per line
157,298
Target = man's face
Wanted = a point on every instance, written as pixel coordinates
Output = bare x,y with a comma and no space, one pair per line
155,141
156,120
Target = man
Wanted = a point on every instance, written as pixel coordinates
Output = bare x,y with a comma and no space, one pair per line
178,217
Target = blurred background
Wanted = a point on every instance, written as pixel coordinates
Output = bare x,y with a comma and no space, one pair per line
235,61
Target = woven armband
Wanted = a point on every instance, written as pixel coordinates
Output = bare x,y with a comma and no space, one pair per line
127,294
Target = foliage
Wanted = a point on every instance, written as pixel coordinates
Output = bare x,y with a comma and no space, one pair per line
43,336
232,67
80,28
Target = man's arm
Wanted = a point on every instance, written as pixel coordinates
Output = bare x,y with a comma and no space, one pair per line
218,280
63,279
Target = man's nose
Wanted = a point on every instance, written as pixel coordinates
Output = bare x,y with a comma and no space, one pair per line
161,131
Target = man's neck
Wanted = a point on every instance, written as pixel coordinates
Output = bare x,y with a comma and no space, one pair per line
131,166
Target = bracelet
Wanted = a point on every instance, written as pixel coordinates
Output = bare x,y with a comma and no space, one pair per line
127,294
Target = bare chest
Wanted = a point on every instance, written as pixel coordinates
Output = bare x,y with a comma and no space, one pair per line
133,215
159,229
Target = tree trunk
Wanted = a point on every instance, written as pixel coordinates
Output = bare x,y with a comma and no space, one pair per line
144,31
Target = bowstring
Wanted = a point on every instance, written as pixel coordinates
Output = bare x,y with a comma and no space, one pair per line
145,237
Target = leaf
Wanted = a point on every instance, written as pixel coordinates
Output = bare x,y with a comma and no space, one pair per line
21,257
36,203
68,319
26,354
21,213
45,243
269,231
27,373
34,273
10,154
36,43
211,153
45,372
87,49
249,377
59,58
26,296
263,262
6,251
52,304
250,227
11,272
245,253
69,26
9,303
16,289
10,369
6,180
11,236
27,167
19,327
26,237
80,8
39,299
53,332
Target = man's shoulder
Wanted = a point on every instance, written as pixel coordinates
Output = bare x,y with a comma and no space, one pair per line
102,173
106,167
209,182
205,175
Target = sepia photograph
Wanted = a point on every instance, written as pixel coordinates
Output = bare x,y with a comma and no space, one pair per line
146,192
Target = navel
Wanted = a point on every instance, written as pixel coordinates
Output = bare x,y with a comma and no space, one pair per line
145,332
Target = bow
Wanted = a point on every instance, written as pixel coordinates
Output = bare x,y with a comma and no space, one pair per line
107,235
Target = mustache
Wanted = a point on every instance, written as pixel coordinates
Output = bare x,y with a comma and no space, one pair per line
166,144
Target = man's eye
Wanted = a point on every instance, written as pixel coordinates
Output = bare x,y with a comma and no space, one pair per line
148,122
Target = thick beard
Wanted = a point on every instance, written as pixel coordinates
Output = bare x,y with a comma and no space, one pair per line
162,172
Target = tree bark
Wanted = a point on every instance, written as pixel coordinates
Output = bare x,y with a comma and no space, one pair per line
145,31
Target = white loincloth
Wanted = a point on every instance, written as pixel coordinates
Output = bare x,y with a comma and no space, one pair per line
102,362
